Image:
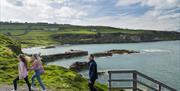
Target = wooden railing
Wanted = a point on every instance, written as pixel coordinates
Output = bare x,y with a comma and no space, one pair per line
135,81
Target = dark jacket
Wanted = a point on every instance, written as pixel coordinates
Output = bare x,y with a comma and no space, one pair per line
93,70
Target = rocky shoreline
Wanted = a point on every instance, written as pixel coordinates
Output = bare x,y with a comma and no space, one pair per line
79,66
123,51
68,54
77,53
102,54
114,51
101,38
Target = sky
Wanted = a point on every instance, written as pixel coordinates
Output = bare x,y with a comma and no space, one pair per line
161,15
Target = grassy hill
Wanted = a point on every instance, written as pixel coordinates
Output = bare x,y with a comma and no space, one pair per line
38,34
55,78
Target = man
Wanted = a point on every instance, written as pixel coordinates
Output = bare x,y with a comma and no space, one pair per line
92,73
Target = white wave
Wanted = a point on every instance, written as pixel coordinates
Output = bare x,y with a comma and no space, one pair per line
155,50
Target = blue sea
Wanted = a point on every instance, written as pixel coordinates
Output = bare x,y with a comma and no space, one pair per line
159,60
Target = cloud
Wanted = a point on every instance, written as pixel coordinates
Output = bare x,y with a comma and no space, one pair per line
67,12
162,14
143,22
38,10
127,2
135,14
16,2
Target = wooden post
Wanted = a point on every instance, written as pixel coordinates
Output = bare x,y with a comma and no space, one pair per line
134,81
109,81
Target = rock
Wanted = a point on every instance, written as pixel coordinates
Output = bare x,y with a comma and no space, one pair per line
78,66
111,52
101,73
102,54
68,54
123,51
8,34
100,38
15,48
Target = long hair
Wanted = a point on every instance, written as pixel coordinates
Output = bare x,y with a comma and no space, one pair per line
23,59
37,57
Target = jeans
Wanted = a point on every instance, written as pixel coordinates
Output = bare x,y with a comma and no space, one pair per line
37,75
27,82
91,85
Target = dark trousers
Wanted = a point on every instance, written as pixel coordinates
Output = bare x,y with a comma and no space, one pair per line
91,85
27,82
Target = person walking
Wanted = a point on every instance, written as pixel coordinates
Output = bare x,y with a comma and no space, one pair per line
92,73
23,72
37,66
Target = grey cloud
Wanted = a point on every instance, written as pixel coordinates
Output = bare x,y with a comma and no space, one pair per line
16,2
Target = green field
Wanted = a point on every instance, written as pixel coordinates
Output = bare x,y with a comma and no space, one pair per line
40,34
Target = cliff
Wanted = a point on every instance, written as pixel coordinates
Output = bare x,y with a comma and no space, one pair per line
115,37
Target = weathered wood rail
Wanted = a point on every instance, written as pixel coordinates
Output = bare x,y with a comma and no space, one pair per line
135,81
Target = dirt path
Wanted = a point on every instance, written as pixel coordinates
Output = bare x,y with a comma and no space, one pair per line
19,88
25,88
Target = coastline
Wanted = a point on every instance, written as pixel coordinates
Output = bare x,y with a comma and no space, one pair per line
55,77
56,45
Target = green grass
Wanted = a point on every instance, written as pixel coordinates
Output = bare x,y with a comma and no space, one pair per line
13,32
36,38
43,38
77,32
55,77
41,34
6,52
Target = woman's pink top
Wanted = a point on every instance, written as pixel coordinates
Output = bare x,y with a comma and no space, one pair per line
37,66
22,70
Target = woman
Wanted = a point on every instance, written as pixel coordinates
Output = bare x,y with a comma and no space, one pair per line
38,68
23,72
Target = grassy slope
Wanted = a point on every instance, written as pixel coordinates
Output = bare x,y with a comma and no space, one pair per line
40,34
55,78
